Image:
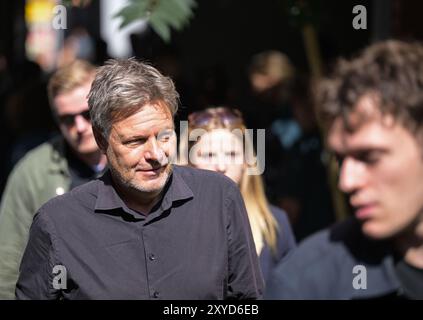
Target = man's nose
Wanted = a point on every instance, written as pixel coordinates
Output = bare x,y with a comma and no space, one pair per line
80,123
153,151
350,175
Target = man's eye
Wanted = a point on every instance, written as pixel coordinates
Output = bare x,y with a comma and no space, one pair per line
164,138
135,142
371,157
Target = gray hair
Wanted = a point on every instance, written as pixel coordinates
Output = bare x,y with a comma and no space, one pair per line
123,86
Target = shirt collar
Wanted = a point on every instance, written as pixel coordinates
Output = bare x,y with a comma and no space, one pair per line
108,198
178,190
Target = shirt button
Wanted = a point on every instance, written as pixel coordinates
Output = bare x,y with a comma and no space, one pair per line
156,294
152,257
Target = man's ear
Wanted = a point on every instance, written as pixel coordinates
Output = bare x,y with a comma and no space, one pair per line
101,141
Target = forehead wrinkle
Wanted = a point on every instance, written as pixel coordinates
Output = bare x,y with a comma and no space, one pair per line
141,121
142,129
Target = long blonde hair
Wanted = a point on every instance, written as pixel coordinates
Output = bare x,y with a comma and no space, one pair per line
264,226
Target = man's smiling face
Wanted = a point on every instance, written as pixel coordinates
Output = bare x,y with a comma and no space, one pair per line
140,148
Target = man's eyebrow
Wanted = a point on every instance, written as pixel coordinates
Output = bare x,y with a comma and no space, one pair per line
132,137
138,135
358,151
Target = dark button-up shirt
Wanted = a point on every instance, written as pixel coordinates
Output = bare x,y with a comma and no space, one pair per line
195,244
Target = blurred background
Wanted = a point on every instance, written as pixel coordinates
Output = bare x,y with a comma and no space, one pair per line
257,56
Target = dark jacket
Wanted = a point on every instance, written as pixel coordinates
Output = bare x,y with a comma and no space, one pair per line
285,244
41,175
325,267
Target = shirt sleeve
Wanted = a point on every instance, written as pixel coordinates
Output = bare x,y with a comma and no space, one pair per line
36,270
245,280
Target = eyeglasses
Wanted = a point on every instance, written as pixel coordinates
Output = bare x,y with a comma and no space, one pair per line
69,118
226,115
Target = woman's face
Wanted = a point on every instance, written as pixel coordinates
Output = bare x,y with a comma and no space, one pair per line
221,151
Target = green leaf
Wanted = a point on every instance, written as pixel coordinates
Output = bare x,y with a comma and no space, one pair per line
135,10
162,28
81,3
162,15
176,13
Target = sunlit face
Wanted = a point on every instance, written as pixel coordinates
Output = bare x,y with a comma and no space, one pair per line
381,171
219,150
139,149
70,108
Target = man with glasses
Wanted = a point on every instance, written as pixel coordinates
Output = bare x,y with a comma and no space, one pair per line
51,169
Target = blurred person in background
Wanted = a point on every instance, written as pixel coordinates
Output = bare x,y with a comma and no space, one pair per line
302,179
219,149
373,108
270,75
79,44
27,117
266,105
51,169
295,175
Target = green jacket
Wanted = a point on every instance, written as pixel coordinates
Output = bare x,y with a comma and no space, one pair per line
41,175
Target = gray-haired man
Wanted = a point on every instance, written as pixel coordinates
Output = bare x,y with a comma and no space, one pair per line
146,229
